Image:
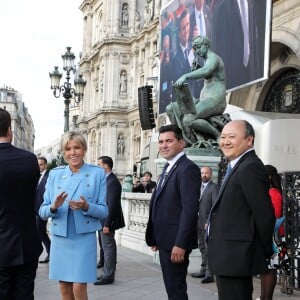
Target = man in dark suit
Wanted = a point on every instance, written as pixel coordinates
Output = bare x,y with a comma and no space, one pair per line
242,219
200,24
20,246
208,196
40,223
239,38
184,56
172,224
200,20
112,222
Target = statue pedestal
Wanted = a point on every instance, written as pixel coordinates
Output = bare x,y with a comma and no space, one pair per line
201,157
205,157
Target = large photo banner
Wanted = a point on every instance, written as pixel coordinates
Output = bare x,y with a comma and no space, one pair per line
238,30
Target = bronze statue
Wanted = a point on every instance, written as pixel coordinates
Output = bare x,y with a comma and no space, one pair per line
201,119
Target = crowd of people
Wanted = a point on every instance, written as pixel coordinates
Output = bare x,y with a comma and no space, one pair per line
187,210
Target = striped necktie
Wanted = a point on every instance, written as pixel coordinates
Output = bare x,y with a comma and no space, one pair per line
163,176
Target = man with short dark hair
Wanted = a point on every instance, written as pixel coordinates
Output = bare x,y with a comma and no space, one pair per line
20,246
172,224
146,185
112,222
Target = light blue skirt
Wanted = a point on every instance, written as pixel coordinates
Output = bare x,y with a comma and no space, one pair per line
74,259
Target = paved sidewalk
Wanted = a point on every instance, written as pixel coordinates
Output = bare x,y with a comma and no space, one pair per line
137,277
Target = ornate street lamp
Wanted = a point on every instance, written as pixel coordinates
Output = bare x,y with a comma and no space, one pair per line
66,89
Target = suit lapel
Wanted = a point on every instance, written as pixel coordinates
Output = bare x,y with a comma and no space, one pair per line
158,192
229,176
205,190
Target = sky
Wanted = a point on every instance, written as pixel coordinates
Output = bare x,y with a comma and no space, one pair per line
34,34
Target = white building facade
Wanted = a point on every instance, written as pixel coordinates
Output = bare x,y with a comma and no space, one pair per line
21,121
120,53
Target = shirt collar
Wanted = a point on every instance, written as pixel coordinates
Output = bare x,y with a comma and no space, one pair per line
235,161
174,160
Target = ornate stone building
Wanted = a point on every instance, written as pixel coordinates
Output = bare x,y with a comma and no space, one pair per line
120,53
22,124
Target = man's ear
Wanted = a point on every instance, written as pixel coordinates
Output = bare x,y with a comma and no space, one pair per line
10,134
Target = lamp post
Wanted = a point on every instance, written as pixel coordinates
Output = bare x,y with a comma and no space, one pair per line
66,89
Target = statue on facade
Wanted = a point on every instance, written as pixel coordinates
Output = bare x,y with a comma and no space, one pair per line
137,22
123,82
121,145
124,16
201,119
148,12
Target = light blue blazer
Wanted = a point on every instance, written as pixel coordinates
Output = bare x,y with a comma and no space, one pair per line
89,182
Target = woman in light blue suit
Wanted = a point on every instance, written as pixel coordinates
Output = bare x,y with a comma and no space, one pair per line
75,200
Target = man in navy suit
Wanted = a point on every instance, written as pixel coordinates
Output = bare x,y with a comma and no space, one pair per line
40,223
172,224
208,196
20,246
242,219
113,221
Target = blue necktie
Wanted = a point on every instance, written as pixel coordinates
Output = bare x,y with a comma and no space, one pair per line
186,55
228,170
202,25
158,188
163,176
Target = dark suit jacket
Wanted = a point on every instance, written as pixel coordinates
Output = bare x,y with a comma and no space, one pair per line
228,40
207,19
115,218
19,174
173,216
179,63
207,199
242,221
40,192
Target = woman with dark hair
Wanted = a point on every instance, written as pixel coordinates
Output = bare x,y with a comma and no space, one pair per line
269,279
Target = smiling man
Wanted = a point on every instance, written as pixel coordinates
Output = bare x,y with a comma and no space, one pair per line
172,225
242,218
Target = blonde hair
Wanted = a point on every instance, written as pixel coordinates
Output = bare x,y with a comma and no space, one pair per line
72,136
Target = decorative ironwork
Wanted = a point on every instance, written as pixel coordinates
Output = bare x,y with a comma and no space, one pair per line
291,265
222,168
284,94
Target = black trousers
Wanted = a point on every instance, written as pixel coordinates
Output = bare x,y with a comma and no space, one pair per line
42,231
174,275
234,288
17,283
